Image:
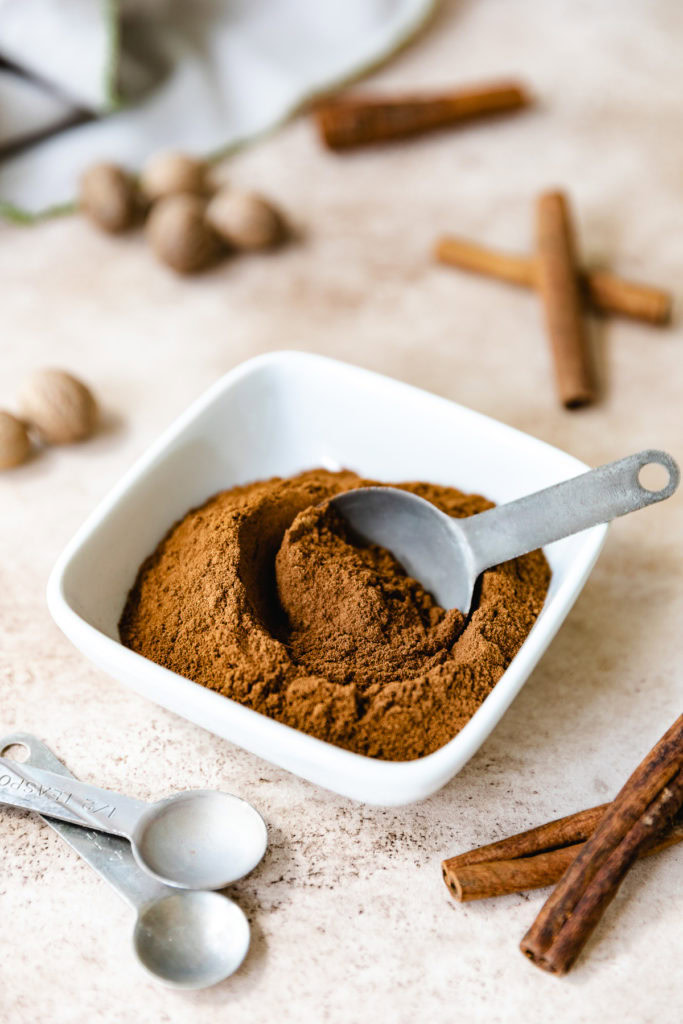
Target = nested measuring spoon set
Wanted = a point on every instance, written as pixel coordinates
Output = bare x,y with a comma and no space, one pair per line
166,859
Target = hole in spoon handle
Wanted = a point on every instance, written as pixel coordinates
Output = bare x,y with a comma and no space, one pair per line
652,458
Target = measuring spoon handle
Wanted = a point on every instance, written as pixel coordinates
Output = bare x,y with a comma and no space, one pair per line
595,497
109,856
24,785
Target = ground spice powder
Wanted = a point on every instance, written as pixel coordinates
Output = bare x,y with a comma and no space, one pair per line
261,595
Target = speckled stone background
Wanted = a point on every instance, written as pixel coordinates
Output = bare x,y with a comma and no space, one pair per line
349,916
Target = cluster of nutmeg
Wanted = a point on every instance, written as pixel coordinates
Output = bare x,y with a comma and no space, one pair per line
189,224
54,408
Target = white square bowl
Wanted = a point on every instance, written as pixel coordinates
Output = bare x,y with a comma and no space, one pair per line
275,416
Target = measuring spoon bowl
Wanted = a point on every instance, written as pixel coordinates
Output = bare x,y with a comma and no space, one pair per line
202,839
191,939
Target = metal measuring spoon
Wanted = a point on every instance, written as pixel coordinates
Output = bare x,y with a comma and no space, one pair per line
447,555
186,939
200,839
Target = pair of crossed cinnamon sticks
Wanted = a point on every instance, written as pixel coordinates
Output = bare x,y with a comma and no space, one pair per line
565,290
588,854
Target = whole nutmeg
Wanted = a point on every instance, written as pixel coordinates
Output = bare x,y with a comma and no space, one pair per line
108,197
167,174
60,407
244,219
14,441
179,234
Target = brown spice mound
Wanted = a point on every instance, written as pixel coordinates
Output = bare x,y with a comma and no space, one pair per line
261,595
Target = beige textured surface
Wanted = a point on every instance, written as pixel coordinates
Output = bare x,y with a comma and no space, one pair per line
350,918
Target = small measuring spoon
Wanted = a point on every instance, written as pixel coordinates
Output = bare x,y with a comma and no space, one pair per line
200,839
185,939
448,555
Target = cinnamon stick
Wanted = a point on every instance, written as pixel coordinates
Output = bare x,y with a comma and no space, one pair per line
606,292
486,879
558,284
643,807
474,879
363,120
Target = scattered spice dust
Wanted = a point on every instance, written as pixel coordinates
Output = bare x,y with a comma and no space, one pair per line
261,595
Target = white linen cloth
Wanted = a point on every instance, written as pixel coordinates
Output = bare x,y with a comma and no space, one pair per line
202,75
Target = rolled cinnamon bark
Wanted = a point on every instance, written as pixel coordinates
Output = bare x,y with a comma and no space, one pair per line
606,292
643,807
486,879
559,286
363,120
477,880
